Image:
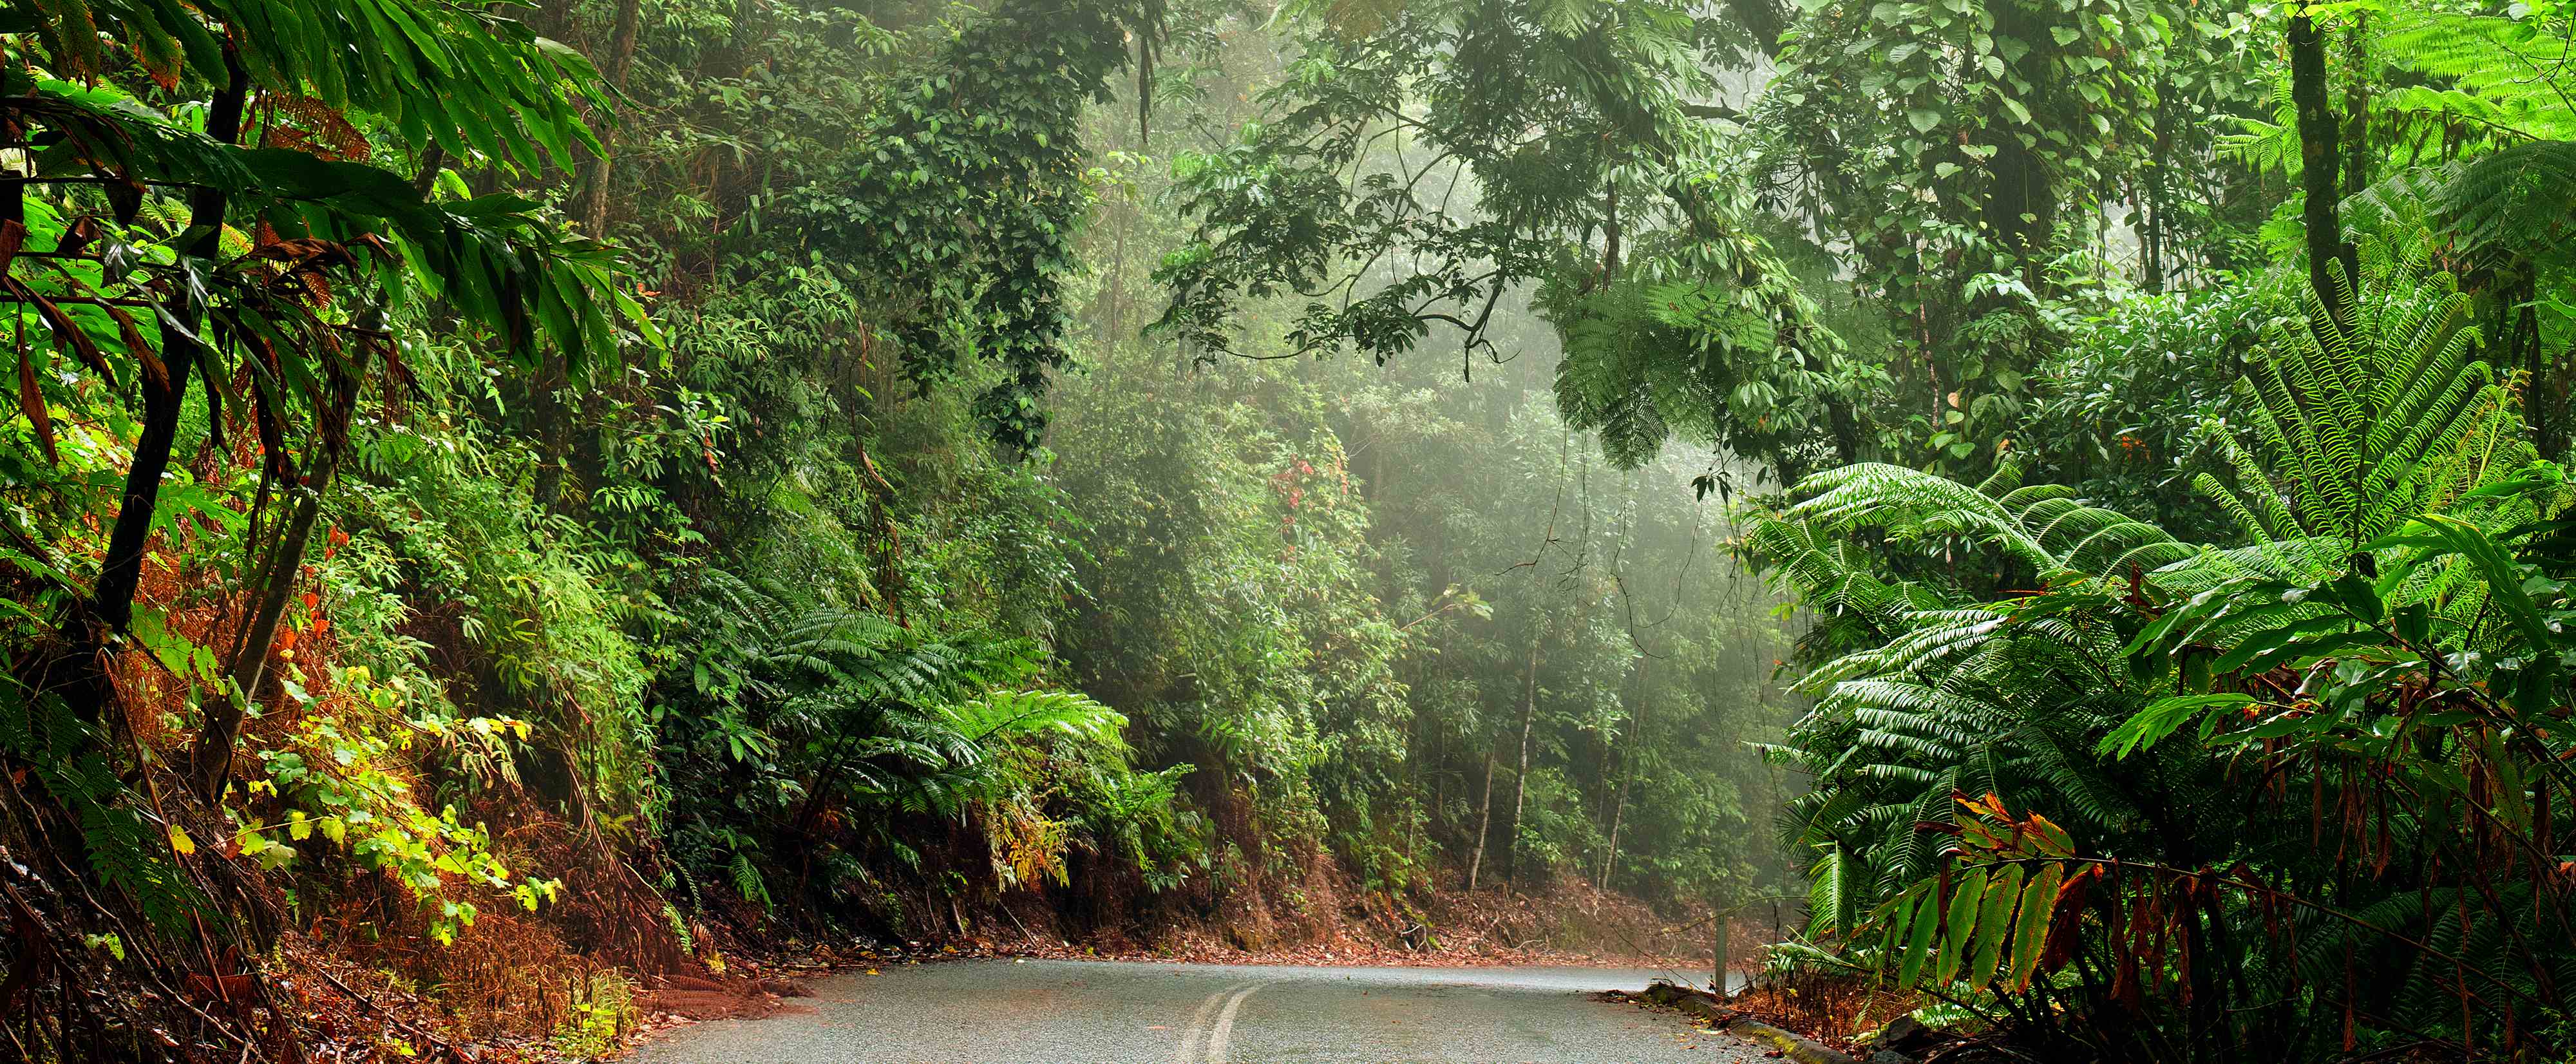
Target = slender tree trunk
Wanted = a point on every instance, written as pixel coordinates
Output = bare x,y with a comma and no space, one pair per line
1627,771
1484,823
2356,107
595,178
552,423
1720,931
211,759
2153,242
1520,779
2021,202
86,636
122,571
1610,850
2548,392
432,159
1610,242
549,415
2319,152
1116,296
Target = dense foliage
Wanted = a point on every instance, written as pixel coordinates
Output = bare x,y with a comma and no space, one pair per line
2185,652
524,497
2259,704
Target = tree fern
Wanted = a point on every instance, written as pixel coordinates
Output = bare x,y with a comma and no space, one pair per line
2509,206
1827,569
2385,606
2350,419
2509,74
816,708
1910,503
1004,715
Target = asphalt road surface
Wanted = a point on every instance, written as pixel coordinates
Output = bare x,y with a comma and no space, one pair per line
1098,1012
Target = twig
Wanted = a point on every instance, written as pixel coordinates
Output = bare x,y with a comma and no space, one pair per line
380,1010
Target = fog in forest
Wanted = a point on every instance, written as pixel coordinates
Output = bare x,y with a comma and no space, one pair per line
1962,530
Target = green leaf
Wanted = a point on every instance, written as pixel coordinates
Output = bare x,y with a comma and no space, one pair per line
2003,891
2503,576
1967,898
2038,903
1926,921
2161,718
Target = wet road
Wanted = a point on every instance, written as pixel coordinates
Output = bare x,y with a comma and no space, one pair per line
1097,1012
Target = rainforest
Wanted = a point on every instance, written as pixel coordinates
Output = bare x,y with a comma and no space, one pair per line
1973,530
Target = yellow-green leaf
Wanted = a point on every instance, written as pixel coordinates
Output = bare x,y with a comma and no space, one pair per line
1899,913
2002,892
1927,919
2052,838
2038,902
1967,895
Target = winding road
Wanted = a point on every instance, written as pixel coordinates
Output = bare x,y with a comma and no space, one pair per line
1100,1012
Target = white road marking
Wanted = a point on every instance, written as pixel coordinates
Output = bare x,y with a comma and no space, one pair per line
1189,1053
1218,1041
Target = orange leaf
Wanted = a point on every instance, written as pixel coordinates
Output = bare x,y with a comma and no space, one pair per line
31,401
2066,919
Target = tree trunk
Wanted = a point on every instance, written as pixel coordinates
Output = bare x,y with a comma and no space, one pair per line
621,55
1520,779
552,423
1610,240
2319,154
1116,296
1484,823
2152,239
1627,771
211,759
113,597
2547,395
551,417
1610,849
1718,948
2356,107
111,607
